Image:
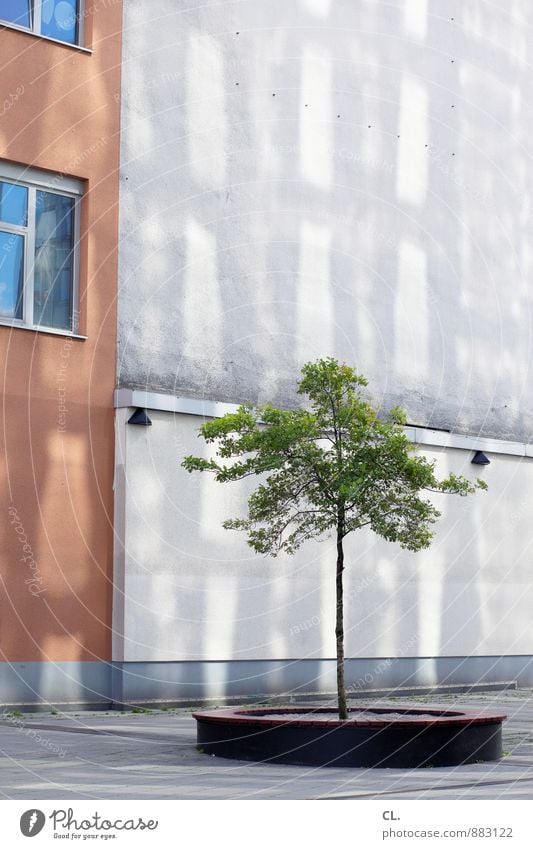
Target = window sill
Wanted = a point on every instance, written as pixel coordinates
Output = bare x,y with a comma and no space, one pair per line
38,329
7,25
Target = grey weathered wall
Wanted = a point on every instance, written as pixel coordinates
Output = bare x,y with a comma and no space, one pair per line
311,177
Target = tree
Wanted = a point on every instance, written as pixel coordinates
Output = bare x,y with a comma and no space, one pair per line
335,467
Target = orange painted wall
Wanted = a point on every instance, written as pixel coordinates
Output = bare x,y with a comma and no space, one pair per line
56,493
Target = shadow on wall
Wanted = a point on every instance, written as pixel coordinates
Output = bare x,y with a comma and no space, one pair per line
349,179
198,596
344,181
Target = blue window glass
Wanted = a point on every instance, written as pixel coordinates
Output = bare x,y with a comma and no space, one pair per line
11,274
16,12
13,204
54,260
59,19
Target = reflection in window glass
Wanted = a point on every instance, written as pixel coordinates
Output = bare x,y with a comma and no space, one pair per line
16,12
59,19
13,204
11,273
54,260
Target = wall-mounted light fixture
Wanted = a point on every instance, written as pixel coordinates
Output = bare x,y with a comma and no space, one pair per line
140,417
480,459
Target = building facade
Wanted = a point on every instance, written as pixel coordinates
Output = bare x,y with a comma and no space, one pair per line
195,200
311,178
59,146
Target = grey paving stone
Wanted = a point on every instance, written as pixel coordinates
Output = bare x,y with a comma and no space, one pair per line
153,755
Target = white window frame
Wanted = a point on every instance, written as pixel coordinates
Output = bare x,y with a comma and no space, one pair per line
35,24
36,180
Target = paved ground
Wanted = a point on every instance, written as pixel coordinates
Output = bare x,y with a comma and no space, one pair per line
153,755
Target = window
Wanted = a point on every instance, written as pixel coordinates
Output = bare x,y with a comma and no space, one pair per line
59,19
39,225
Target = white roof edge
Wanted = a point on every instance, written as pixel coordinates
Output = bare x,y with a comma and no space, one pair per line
419,435
172,404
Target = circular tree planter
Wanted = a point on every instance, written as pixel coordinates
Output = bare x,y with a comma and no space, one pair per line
371,737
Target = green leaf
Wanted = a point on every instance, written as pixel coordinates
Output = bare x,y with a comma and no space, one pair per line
332,467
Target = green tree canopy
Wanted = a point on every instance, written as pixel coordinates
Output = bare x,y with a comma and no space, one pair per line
335,466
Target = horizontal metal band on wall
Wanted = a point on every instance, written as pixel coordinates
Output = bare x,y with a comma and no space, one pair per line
214,409
101,684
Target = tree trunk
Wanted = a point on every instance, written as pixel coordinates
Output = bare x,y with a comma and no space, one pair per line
339,631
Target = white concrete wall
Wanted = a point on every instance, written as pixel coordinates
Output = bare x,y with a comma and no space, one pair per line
347,177
192,591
